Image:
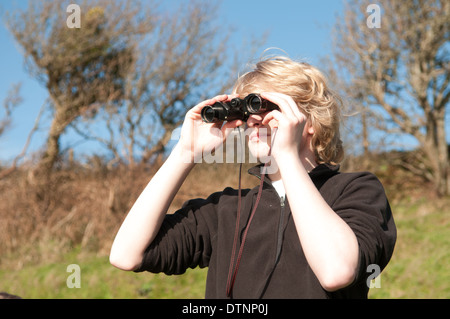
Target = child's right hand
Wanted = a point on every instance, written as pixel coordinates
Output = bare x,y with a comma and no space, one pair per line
197,137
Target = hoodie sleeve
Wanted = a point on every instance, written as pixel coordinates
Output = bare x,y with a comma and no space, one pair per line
363,205
184,239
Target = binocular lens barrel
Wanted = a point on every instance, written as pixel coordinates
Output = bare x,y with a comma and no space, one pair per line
207,114
219,111
254,103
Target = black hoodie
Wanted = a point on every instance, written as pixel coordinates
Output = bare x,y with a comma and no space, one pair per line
273,264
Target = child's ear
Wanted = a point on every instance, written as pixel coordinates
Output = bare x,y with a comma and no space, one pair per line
310,128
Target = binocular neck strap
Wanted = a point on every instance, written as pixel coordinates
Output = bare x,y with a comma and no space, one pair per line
232,274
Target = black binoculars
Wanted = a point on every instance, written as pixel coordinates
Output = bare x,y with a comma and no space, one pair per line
237,109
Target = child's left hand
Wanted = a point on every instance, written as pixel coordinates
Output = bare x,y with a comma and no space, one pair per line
289,123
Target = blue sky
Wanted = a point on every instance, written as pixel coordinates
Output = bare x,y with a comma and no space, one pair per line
301,28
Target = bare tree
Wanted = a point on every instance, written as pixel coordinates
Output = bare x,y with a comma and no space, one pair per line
12,100
402,70
131,66
184,60
82,68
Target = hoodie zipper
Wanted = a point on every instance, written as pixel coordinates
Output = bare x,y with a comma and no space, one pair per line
279,234
280,224
279,243
280,229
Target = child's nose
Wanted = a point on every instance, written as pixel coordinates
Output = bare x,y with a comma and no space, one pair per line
254,120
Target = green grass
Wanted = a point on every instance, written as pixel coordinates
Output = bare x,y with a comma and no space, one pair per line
419,267
99,280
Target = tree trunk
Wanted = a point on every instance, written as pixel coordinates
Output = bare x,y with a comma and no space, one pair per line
443,186
52,150
365,141
436,149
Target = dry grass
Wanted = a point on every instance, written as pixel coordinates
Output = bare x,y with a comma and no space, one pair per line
80,207
74,208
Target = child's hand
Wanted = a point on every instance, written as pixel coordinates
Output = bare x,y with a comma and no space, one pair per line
198,137
289,123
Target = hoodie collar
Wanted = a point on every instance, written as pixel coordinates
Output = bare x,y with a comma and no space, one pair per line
320,172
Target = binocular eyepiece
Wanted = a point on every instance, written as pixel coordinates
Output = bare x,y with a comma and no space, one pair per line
236,109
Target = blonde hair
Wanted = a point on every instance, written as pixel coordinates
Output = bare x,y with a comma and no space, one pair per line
308,88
